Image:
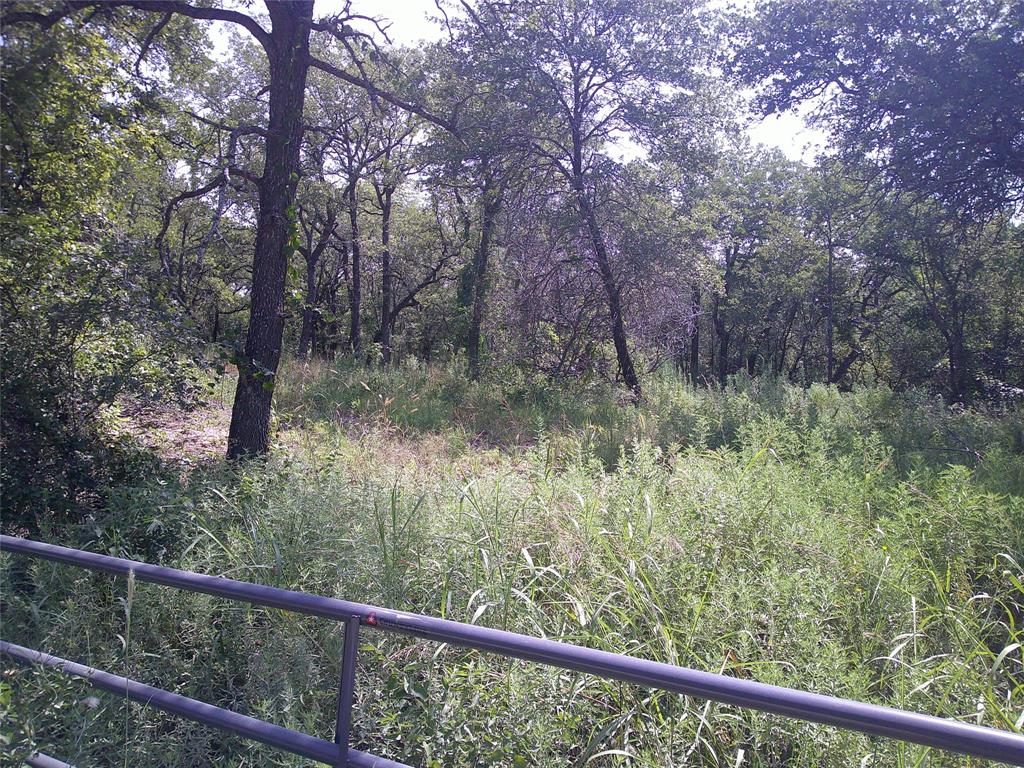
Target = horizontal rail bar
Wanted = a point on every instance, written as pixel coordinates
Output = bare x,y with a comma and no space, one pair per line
249,727
866,718
39,760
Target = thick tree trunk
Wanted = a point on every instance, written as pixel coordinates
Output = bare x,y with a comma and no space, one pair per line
249,434
386,290
355,283
845,364
959,369
488,217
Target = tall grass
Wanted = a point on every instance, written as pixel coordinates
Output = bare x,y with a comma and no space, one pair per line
510,409
866,545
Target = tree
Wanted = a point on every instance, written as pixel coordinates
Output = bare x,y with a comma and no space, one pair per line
479,165
943,266
934,91
318,219
593,71
392,139
750,203
421,260
86,315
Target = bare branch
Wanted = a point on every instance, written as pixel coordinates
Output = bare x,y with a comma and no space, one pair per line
196,12
337,28
242,129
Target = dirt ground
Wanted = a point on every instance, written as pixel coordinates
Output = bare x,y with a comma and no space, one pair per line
195,436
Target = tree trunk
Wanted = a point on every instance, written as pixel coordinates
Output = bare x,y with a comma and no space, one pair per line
611,289
722,335
308,311
830,313
490,211
332,331
604,267
959,369
313,253
386,291
845,364
695,336
249,434
356,283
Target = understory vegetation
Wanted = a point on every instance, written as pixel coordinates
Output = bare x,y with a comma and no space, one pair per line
866,545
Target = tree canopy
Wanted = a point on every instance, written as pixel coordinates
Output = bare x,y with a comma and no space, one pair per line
932,92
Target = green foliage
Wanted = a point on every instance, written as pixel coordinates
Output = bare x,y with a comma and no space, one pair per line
933,88
808,538
511,409
83,324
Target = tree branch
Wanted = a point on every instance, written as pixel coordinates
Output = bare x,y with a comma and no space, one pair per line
373,90
68,7
150,37
243,129
44,20
196,12
206,189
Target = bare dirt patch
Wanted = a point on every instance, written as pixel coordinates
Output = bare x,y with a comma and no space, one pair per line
198,435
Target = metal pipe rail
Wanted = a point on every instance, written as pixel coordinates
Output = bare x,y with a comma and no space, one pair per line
39,760
243,725
871,719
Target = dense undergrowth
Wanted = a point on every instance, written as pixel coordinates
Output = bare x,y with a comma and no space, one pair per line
867,544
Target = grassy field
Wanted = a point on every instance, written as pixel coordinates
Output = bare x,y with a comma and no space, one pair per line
867,545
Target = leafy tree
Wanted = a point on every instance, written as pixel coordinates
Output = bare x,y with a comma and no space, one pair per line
479,164
934,91
85,316
944,267
286,46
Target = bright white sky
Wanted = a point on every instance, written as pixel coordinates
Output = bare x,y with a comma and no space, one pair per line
411,21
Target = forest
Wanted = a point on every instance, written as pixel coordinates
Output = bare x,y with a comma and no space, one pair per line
517,324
